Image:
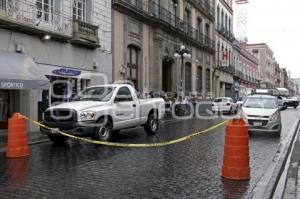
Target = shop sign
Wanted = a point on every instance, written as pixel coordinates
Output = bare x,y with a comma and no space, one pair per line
11,85
67,72
224,59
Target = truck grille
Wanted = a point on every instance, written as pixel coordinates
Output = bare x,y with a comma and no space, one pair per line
60,115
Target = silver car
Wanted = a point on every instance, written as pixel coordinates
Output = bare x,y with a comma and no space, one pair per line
262,114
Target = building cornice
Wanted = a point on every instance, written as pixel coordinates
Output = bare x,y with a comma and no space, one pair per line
227,6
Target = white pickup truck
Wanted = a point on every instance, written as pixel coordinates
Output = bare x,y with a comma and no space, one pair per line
101,111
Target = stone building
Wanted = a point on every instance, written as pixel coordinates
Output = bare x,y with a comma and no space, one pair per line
67,41
146,35
266,63
246,76
223,76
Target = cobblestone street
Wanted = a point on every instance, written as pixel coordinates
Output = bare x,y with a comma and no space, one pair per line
187,170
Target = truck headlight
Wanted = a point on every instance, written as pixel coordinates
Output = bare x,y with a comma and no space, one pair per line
87,115
275,116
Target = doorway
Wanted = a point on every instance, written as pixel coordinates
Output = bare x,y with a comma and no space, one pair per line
167,75
4,95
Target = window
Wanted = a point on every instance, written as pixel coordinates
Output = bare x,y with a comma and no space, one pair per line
222,19
207,33
124,94
45,10
199,28
188,78
229,24
226,26
218,17
132,65
199,80
187,19
79,10
3,4
207,80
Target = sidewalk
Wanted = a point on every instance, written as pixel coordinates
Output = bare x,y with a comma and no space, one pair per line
292,185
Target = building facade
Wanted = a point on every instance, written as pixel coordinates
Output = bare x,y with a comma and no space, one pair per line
146,35
297,82
246,74
283,78
276,74
69,41
223,76
266,66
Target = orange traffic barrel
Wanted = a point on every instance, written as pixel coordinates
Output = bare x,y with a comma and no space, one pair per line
236,163
17,142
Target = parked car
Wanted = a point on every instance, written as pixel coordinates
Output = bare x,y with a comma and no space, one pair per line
224,105
262,114
100,111
286,102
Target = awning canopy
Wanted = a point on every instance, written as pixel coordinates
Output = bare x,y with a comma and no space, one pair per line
19,71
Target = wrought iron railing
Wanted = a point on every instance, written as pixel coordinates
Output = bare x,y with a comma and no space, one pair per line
163,16
24,12
225,32
239,74
205,7
228,69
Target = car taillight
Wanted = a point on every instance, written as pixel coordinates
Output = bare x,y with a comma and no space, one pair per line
228,104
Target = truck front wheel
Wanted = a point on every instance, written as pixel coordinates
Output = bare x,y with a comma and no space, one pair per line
152,125
58,139
103,131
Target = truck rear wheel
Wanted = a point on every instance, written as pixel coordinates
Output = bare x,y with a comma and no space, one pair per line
58,139
152,125
103,131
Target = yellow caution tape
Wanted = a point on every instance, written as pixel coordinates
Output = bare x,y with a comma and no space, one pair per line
114,144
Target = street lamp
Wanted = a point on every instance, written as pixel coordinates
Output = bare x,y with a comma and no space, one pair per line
182,53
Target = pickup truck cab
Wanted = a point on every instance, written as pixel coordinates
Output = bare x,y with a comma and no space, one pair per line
101,111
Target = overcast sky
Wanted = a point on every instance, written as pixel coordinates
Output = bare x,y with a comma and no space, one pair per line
277,23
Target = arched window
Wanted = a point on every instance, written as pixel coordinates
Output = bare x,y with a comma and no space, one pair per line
188,78
132,64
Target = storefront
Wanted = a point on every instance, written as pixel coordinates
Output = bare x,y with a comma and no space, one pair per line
65,82
19,76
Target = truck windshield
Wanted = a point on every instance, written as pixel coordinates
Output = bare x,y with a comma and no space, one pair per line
95,94
265,103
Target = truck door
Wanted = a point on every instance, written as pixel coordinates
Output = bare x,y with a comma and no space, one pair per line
126,112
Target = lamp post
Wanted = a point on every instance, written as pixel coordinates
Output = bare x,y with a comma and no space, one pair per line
182,53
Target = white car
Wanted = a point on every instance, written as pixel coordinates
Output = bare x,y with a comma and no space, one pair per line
224,105
100,111
262,114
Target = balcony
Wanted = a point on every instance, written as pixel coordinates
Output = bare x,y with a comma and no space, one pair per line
25,16
29,18
85,34
205,8
157,16
227,69
239,74
225,32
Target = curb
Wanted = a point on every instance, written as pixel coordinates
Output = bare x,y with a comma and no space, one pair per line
266,186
